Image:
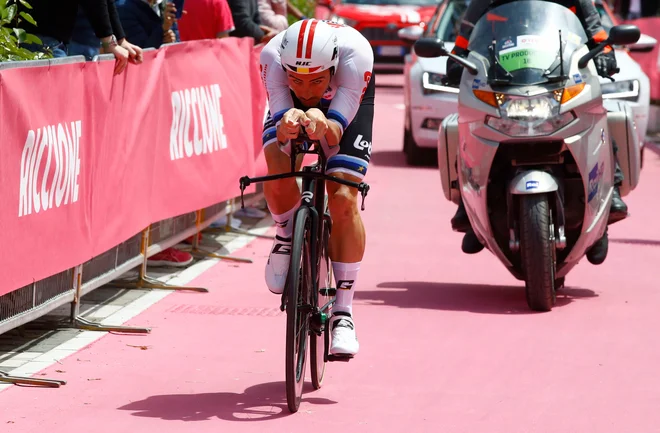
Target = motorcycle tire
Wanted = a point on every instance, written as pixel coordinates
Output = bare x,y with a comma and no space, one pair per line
537,250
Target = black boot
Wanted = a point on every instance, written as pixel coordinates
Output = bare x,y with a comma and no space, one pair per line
618,208
460,222
471,244
598,252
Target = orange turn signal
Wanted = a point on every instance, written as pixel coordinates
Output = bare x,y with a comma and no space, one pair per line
487,97
571,92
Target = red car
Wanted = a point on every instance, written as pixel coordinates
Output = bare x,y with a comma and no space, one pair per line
379,21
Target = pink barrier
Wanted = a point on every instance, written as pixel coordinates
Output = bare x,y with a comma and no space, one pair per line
649,60
89,159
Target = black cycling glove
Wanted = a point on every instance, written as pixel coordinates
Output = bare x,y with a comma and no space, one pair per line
606,64
454,72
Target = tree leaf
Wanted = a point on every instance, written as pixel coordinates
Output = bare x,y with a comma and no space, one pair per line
20,35
27,17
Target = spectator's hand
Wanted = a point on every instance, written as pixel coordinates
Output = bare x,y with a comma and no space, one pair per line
289,127
169,37
269,33
120,53
169,17
315,123
134,52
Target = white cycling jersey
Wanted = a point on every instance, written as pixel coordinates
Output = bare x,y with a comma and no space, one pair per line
347,86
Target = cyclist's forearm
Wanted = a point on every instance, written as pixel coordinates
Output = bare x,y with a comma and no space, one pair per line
333,134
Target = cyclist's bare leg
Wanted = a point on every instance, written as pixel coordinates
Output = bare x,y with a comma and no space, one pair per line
347,240
282,195
283,198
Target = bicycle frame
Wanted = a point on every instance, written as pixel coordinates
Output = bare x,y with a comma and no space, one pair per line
313,197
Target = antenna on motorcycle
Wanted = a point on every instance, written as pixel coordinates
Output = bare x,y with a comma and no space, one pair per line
623,34
561,56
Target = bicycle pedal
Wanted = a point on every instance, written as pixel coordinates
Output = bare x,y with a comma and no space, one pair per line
340,358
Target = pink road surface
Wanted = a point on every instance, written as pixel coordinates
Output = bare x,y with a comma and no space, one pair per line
447,341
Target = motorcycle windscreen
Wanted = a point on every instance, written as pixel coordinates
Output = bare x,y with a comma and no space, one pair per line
521,42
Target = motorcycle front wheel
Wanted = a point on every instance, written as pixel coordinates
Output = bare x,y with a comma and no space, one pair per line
537,250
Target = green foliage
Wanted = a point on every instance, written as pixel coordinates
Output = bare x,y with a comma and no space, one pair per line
305,6
11,36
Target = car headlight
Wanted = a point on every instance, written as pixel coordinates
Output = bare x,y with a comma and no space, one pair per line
529,117
341,20
432,83
627,90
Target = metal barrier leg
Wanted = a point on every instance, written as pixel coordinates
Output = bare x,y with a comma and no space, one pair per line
21,380
146,282
81,323
229,229
198,252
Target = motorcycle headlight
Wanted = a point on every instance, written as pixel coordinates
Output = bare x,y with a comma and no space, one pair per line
341,20
529,117
627,90
432,83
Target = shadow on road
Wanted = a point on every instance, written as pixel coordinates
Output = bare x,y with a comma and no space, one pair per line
645,242
261,402
475,298
396,158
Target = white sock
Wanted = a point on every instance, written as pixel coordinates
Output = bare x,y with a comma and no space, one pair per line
284,222
346,278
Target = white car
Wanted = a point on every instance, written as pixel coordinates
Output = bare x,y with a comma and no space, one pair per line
428,102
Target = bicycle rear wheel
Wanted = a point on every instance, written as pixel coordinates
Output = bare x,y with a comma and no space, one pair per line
318,343
298,309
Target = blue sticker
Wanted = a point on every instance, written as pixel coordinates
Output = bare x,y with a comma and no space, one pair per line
595,175
577,78
508,43
531,184
475,83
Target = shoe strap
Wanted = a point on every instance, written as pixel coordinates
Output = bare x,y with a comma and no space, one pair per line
281,239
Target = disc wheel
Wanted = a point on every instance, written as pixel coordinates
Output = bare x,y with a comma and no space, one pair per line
298,309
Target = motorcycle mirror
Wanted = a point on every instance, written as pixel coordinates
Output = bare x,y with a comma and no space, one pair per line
623,34
430,47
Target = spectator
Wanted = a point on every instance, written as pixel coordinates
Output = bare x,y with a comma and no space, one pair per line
247,22
275,13
148,23
55,23
206,19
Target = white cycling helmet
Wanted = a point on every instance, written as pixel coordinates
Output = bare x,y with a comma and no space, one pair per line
308,47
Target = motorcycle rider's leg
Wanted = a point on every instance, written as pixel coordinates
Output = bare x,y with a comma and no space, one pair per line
461,223
618,208
283,199
347,245
598,252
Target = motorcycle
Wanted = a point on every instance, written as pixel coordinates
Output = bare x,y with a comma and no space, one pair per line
529,150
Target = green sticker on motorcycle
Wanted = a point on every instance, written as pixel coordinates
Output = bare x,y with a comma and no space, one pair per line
521,58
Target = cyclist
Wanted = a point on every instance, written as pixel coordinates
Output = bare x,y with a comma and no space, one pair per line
606,66
318,76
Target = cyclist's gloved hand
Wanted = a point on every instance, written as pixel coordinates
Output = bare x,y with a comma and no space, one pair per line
454,73
606,64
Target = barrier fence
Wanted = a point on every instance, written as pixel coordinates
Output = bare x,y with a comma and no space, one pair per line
100,172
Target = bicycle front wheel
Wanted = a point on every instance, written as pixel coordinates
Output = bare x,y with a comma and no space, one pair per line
318,346
299,284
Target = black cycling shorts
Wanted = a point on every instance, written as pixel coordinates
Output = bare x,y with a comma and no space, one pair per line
355,145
